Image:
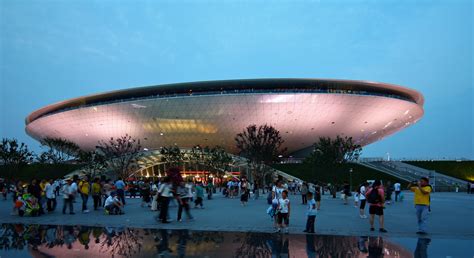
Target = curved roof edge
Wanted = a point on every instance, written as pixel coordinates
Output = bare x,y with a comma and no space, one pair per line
219,85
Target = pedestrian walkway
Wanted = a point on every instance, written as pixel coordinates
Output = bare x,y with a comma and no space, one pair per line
451,216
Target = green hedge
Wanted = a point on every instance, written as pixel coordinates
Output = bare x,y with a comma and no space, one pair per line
39,171
335,174
463,169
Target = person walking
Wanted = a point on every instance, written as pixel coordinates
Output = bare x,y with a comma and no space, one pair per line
388,191
304,193
376,198
154,195
209,189
311,214
74,187
199,196
422,192
317,196
50,196
165,193
397,188
356,199
346,191
145,193
120,186
84,189
68,196
256,190
362,199
95,191
244,197
183,201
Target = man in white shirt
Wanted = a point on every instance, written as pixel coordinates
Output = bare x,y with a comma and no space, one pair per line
362,199
165,194
68,195
74,187
113,205
397,190
49,189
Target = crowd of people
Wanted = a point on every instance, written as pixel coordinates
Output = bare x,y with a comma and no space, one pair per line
37,198
376,195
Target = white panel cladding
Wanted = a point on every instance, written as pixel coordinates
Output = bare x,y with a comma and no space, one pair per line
216,119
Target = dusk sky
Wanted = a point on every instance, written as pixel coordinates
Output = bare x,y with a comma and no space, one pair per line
56,50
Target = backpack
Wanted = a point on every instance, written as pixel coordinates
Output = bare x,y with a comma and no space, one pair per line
374,196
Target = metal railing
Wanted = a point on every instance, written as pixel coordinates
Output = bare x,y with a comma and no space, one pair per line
410,173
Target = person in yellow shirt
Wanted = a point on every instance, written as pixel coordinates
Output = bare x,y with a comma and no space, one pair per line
84,188
96,190
422,190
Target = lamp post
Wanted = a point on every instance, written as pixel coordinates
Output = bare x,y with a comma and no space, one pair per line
314,161
350,179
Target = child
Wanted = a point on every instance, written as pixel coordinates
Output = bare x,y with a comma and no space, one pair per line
283,212
311,214
199,196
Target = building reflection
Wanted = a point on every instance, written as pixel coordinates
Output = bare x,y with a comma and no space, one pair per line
81,241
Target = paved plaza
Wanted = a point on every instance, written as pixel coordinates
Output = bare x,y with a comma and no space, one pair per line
451,217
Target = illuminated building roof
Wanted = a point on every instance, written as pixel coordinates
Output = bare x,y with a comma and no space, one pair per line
212,113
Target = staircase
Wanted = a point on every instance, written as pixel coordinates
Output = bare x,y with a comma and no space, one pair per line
407,172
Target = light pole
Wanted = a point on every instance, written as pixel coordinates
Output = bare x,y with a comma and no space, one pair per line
350,179
315,159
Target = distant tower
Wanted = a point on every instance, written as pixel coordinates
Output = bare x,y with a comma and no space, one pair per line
388,156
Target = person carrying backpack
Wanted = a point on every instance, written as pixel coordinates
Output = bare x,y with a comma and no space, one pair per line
375,197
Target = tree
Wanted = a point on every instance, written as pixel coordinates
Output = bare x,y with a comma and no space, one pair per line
214,159
197,156
172,155
218,159
14,155
261,146
121,154
334,151
94,162
59,150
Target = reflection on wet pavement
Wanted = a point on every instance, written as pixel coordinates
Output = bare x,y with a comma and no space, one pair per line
18,240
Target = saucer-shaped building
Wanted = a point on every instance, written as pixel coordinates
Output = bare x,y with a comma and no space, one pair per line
212,113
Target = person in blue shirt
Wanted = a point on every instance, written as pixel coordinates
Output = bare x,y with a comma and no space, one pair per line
310,213
120,185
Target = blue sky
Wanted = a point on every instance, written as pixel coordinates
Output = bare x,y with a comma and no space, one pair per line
55,50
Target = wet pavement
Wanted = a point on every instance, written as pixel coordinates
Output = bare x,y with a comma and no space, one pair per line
226,229
451,217
18,240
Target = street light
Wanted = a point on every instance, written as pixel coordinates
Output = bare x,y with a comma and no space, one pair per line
314,161
350,179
